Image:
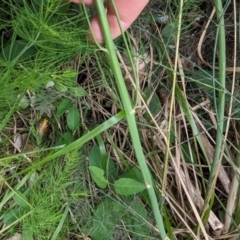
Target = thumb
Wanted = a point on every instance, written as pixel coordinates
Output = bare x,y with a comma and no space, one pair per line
128,11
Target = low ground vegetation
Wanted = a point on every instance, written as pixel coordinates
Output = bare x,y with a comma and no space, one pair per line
69,156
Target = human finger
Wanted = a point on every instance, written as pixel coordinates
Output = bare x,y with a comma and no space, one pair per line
128,10
87,2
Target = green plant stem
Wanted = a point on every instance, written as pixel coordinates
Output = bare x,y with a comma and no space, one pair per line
74,145
237,215
239,31
130,116
221,107
174,81
60,225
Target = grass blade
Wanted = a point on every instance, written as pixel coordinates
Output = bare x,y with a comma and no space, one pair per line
78,143
219,149
130,117
59,227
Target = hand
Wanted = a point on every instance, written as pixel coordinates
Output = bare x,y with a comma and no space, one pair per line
128,11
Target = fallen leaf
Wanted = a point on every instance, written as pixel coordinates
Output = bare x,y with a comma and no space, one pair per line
43,127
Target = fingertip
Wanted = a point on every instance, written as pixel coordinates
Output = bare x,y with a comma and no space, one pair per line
95,33
86,2
93,39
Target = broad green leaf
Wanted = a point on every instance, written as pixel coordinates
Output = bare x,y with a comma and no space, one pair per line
109,210
60,87
204,80
18,48
128,186
78,92
111,170
169,32
135,173
12,215
97,175
68,138
100,231
209,85
187,155
70,73
73,118
172,134
20,199
28,233
154,105
103,152
98,226
140,209
135,223
95,157
63,107
59,142
24,102
110,213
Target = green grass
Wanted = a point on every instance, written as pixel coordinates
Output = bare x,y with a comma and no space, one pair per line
123,140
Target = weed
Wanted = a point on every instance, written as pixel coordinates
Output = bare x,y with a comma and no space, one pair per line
128,141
